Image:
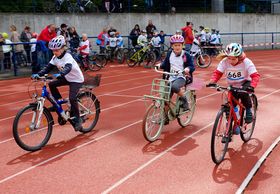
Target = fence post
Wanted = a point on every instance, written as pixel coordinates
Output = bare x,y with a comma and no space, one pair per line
272,40
242,39
14,60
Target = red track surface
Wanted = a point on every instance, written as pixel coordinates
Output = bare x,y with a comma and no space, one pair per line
116,158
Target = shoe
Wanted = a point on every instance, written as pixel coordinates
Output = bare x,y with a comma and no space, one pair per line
226,139
249,116
237,130
185,104
166,119
78,125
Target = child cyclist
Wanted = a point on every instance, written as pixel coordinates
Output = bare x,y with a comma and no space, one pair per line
69,74
178,60
240,72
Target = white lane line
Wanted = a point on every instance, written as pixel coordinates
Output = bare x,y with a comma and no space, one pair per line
122,95
153,159
68,151
161,154
257,166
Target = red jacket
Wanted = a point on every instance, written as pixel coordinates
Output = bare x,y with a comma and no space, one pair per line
188,35
46,36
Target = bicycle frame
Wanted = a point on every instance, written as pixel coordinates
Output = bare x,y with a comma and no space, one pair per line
140,54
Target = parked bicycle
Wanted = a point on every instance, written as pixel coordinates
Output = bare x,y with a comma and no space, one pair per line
163,108
227,122
33,124
144,55
201,58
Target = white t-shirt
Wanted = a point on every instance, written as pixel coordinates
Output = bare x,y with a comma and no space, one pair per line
156,41
237,75
142,40
176,64
33,46
75,75
83,43
7,48
202,36
113,41
214,39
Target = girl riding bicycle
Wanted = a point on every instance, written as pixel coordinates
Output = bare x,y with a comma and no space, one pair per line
179,60
240,72
69,74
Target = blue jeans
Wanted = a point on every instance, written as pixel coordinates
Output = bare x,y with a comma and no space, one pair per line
188,48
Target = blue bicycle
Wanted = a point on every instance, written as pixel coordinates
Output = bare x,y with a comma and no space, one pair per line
33,125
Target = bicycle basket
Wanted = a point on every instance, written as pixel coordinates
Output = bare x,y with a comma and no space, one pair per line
160,90
92,81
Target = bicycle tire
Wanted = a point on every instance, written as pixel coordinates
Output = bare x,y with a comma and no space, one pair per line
150,59
160,122
19,138
247,134
188,115
214,138
120,56
129,61
203,60
96,64
93,101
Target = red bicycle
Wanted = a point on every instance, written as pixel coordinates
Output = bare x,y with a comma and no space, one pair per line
228,121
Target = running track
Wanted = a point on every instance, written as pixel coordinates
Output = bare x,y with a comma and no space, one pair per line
115,158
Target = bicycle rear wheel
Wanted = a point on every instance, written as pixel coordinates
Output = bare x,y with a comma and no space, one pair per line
26,134
131,59
219,147
203,60
185,117
153,123
248,129
89,108
150,59
96,63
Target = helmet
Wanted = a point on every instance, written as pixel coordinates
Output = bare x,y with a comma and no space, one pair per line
177,39
5,35
57,43
143,31
233,50
112,33
34,35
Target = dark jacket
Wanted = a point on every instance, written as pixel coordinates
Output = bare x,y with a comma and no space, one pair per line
165,65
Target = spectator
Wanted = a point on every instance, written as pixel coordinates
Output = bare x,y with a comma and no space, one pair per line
156,40
25,37
208,35
219,42
162,39
188,35
74,41
178,32
150,29
119,40
44,54
135,32
34,64
202,36
18,49
64,32
2,41
111,29
7,51
213,42
101,39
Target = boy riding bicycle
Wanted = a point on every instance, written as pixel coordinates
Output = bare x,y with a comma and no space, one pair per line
179,60
240,72
69,74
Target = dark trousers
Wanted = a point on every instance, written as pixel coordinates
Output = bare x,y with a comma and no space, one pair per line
245,98
7,60
28,56
73,92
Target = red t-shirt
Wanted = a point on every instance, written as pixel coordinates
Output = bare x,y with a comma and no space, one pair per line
188,35
46,36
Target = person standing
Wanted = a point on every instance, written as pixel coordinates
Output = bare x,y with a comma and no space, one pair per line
7,51
135,32
150,28
74,41
25,37
64,32
18,49
188,35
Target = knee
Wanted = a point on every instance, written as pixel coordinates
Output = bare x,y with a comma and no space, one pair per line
175,89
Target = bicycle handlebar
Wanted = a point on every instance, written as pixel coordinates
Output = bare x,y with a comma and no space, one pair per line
165,72
229,88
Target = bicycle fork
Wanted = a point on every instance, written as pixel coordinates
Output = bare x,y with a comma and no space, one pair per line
40,109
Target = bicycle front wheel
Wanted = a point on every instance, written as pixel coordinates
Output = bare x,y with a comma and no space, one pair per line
150,59
32,133
96,64
219,142
203,60
131,59
153,123
89,108
248,129
185,117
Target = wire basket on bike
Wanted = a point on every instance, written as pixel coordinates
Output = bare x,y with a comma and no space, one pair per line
91,81
160,90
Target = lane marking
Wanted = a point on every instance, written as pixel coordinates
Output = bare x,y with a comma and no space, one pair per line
68,151
152,160
251,174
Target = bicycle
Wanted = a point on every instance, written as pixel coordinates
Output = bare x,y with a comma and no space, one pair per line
93,62
143,55
163,108
227,122
33,124
202,59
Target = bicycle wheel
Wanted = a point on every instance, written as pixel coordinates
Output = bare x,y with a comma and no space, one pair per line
185,118
153,123
248,129
120,56
89,108
96,64
203,60
26,134
219,148
131,59
150,59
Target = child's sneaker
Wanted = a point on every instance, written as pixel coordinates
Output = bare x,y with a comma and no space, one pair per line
249,116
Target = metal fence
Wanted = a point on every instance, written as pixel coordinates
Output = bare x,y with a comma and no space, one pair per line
250,41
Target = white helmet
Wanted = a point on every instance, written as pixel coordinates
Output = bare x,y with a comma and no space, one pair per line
57,43
233,50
